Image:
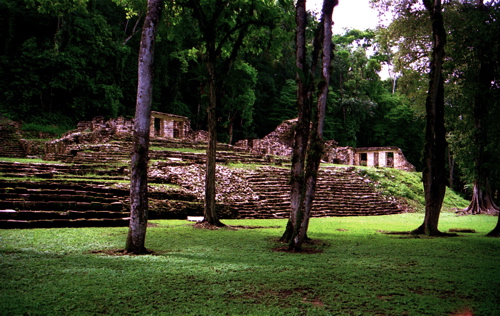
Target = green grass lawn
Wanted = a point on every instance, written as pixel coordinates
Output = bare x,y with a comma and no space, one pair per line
236,272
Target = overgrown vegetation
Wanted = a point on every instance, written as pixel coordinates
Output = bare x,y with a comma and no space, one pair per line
235,271
34,129
408,188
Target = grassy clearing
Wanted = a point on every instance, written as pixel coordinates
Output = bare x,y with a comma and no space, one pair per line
235,271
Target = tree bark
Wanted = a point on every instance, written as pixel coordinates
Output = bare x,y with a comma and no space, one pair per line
434,177
210,213
309,144
482,201
217,68
496,231
303,125
139,175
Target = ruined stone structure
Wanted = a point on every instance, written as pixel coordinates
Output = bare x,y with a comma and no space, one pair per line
162,125
391,157
117,126
100,131
169,126
280,142
10,145
277,143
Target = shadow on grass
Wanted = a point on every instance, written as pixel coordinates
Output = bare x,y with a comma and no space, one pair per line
412,234
311,246
123,252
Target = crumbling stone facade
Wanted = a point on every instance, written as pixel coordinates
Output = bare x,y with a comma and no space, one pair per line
277,143
100,131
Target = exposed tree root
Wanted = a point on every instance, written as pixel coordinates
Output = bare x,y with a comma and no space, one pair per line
123,252
207,225
310,246
481,203
417,233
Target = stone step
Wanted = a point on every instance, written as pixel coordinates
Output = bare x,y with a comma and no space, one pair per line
60,205
48,215
42,196
59,223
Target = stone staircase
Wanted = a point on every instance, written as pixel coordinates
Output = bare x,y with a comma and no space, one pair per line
42,204
53,203
340,192
66,195
61,171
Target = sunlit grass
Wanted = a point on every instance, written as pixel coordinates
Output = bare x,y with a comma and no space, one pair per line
233,271
30,160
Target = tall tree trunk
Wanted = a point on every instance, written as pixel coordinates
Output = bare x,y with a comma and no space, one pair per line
139,176
316,141
303,125
434,177
305,167
210,212
217,67
482,201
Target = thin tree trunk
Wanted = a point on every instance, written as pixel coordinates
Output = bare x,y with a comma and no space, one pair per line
231,127
208,25
302,127
316,141
451,164
139,176
305,166
434,177
210,212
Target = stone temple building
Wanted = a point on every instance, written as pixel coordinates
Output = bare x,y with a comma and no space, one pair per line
165,125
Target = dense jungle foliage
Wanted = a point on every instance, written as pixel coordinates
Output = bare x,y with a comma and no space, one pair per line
69,60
